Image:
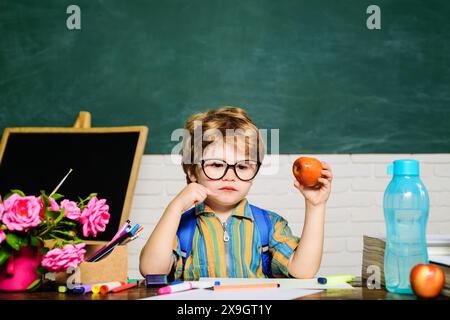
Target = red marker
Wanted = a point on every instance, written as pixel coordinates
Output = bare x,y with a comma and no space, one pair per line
125,287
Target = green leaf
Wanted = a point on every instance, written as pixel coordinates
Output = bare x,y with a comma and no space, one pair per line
44,250
61,216
41,270
14,241
67,235
68,223
57,196
4,255
7,196
45,199
52,214
77,241
23,241
82,201
35,284
19,192
34,241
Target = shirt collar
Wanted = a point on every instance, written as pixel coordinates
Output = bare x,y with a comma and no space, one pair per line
242,209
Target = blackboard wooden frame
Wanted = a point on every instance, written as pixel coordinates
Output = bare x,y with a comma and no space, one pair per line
141,130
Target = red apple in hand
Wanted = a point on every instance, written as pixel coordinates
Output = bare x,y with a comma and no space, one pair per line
307,171
427,280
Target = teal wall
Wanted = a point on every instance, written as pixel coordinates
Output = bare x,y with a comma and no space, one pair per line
310,68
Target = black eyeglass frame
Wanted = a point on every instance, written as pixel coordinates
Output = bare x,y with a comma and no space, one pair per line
202,163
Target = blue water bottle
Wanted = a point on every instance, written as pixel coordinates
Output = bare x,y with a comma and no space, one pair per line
406,206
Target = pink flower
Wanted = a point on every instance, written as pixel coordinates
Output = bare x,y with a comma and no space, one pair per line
21,213
53,207
71,255
2,209
2,236
95,217
71,210
9,201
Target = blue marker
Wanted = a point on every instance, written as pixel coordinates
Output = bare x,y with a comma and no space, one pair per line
134,229
84,288
335,279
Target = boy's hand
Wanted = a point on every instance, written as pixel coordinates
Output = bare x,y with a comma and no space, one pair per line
191,194
319,194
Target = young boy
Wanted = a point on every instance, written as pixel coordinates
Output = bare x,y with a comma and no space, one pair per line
226,233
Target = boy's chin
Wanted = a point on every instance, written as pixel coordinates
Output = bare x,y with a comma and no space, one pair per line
227,200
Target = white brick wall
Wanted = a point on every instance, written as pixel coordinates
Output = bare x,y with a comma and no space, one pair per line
355,206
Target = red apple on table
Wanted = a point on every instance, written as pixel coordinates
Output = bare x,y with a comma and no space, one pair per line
427,280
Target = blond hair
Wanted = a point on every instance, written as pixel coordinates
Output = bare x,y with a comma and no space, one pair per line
204,128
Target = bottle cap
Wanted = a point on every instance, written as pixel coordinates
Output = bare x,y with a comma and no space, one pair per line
405,167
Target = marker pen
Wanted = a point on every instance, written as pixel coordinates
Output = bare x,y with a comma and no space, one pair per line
175,288
83,288
335,279
125,287
96,287
104,289
204,284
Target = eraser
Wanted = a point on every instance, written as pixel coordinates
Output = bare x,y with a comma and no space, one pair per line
156,280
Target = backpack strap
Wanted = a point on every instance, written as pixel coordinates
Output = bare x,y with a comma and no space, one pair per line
185,233
262,221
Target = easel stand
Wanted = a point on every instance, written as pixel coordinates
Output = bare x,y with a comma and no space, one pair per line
113,267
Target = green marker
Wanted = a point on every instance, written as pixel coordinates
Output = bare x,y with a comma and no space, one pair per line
62,289
132,280
335,279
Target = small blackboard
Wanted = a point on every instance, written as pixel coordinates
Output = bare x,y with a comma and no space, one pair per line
104,160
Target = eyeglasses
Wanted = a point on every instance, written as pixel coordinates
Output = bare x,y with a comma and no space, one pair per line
216,169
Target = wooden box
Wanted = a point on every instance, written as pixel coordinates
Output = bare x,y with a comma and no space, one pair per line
113,267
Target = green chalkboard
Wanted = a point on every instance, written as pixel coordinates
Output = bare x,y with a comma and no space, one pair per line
311,69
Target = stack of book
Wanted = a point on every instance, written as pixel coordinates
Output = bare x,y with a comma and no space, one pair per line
438,253
443,262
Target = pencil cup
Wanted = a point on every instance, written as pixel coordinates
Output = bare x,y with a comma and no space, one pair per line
113,267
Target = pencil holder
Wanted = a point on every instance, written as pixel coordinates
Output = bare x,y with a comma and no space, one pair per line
113,267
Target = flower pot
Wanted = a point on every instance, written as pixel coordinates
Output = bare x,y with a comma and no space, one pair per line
20,270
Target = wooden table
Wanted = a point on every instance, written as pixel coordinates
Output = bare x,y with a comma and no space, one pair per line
358,293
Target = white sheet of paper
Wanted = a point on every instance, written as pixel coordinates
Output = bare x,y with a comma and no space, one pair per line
284,283
258,294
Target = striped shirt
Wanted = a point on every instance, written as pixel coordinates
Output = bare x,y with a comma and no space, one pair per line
240,256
